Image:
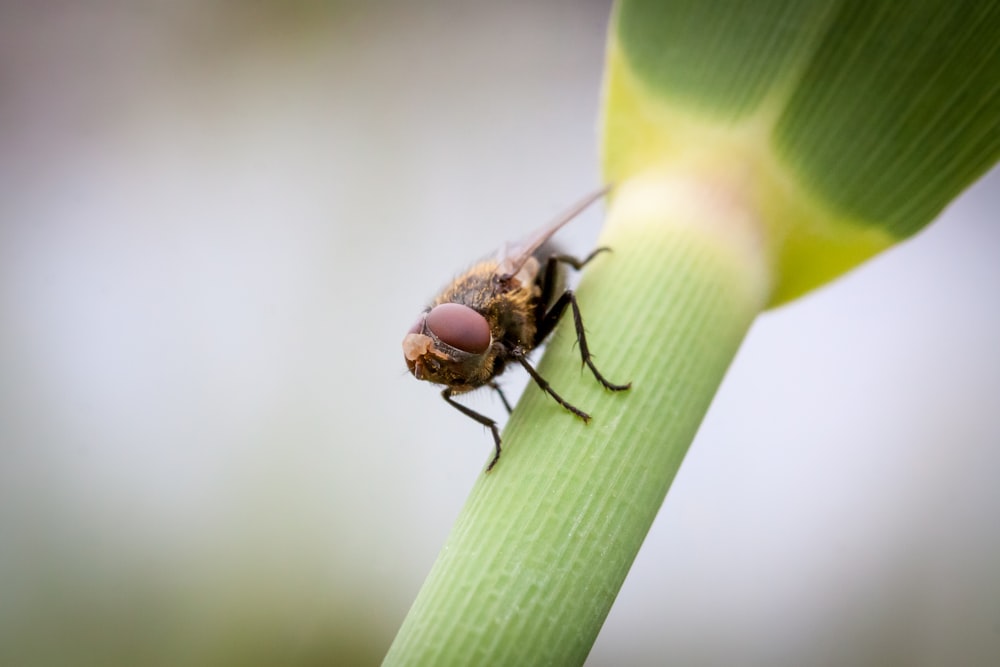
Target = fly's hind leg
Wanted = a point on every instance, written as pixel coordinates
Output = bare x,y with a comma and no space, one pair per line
482,419
549,281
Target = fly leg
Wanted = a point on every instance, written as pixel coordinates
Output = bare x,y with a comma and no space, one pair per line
503,399
543,384
549,320
550,282
482,419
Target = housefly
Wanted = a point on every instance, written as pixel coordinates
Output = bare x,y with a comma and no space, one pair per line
495,313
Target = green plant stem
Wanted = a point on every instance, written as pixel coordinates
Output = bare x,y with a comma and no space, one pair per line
542,546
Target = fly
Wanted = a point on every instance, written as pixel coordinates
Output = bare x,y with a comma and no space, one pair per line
498,312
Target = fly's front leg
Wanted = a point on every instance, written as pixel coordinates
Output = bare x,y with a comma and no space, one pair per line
543,384
550,320
482,419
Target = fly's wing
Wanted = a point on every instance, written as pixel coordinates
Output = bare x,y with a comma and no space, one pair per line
514,255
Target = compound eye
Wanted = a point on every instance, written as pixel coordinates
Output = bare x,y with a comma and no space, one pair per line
460,326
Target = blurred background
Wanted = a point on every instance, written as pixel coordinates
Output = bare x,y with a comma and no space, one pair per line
217,221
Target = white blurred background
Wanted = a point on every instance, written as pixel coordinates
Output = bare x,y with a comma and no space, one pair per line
217,220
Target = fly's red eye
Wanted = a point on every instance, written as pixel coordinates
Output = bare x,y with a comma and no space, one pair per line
460,326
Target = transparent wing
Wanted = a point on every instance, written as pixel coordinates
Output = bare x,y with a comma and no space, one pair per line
514,255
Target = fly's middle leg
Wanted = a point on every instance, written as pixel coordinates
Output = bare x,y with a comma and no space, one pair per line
551,318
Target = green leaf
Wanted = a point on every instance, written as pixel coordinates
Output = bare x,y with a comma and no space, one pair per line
898,111
852,123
